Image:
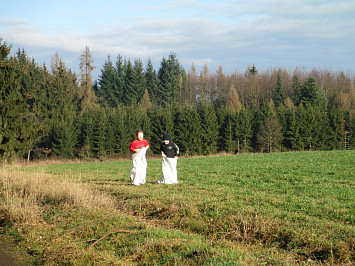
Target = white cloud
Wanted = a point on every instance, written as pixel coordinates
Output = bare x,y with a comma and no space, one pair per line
228,33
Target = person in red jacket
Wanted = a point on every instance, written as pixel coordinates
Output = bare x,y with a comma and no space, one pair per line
139,148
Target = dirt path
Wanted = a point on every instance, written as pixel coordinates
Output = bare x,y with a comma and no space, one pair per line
8,257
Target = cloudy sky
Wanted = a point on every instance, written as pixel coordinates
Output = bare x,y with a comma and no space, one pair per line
233,34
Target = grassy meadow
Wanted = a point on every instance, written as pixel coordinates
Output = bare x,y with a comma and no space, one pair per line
280,208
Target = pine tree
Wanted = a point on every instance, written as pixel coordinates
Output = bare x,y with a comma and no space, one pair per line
151,78
309,92
169,75
209,126
163,123
130,93
188,130
139,79
228,133
296,87
64,108
279,95
11,105
108,91
243,130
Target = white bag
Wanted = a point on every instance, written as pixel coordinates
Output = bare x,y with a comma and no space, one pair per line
169,170
139,170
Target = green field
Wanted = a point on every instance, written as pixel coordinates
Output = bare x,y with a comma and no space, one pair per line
281,208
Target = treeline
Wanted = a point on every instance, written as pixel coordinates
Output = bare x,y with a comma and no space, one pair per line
59,113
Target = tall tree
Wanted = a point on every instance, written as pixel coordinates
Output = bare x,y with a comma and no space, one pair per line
108,89
86,94
270,135
151,79
169,80
11,105
209,126
296,87
309,92
279,95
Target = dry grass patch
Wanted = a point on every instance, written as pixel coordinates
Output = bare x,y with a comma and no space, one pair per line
22,194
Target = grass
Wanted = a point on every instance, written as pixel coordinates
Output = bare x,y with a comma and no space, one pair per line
281,208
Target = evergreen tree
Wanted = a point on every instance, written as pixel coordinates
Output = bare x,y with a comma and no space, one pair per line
188,130
169,75
64,109
296,87
209,126
228,134
279,95
130,93
139,79
151,78
309,92
163,123
243,130
108,89
11,105
34,115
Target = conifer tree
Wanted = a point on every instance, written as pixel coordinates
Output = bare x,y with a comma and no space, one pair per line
243,130
151,79
64,108
139,79
279,95
228,133
163,123
108,89
11,105
188,130
309,92
169,75
209,126
130,93
296,87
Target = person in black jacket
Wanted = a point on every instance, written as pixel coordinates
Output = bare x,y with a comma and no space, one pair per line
169,151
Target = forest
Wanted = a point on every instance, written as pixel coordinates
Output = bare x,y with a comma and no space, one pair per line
53,112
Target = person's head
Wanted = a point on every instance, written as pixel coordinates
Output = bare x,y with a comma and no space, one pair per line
166,138
139,134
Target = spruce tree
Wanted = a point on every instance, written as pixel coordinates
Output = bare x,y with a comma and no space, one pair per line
209,126
188,130
11,105
309,92
151,78
107,88
163,123
243,130
279,95
296,87
169,75
130,93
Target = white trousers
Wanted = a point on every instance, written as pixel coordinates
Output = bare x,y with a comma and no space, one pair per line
139,170
169,170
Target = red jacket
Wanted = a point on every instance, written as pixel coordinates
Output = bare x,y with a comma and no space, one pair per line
136,144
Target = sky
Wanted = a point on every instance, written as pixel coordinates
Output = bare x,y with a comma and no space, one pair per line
235,34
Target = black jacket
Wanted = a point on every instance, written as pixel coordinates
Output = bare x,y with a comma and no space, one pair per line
171,150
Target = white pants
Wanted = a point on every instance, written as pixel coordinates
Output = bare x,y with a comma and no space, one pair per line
169,170
139,170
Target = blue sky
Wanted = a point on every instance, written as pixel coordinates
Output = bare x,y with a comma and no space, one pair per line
233,34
